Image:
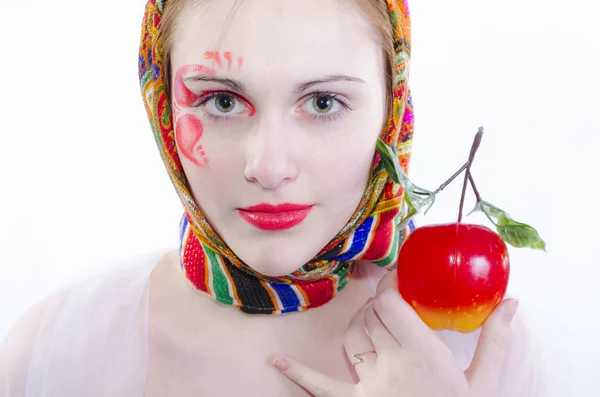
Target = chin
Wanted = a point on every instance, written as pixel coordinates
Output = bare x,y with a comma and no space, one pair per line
276,254
274,260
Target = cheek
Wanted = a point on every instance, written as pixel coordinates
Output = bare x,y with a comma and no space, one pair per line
347,177
189,130
357,174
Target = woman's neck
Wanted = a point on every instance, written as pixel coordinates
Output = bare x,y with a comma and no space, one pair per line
176,294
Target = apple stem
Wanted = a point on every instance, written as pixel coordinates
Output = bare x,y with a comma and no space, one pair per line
474,148
453,177
477,195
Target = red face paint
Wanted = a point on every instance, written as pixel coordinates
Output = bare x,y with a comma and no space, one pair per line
228,58
188,132
189,128
251,109
183,95
214,55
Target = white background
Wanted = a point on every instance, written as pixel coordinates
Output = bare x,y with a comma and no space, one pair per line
81,181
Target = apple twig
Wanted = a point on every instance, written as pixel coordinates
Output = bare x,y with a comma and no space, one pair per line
474,148
453,177
515,233
477,195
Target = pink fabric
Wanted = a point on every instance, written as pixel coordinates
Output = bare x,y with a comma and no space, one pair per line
102,323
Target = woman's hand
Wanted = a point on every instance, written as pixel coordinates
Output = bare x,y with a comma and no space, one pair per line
409,360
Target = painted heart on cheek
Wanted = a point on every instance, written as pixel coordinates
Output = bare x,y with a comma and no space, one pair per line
188,132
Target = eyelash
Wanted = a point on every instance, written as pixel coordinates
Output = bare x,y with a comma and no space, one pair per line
330,118
213,95
345,106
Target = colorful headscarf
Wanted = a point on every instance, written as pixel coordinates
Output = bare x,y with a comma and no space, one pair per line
372,233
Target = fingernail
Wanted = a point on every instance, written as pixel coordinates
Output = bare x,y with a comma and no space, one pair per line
280,363
510,310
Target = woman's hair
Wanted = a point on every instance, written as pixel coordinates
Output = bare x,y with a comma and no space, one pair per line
375,10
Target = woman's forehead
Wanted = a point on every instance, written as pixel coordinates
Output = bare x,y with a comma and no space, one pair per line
293,35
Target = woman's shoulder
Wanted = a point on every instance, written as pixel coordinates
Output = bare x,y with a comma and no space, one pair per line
116,278
91,318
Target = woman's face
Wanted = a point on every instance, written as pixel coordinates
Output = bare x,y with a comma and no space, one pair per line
280,102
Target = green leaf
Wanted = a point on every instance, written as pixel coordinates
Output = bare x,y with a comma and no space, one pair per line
417,198
412,211
390,161
514,233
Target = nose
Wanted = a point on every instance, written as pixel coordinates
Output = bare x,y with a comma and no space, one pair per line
269,157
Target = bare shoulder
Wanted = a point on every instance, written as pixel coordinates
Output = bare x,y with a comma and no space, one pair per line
17,348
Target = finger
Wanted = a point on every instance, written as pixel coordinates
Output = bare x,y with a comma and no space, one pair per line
382,339
312,381
357,340
402,321
390,280
491,349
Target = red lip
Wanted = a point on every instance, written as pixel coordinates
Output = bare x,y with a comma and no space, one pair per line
275,217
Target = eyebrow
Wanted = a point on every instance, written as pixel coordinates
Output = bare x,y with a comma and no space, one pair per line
298,88
234,85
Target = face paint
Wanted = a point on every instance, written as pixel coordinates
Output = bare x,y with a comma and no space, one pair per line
251,109
188,127
215,56
184,97
188,132
228,58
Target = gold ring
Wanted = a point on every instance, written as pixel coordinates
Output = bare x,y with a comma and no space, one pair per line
358,358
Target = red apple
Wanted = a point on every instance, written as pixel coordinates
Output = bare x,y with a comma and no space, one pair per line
454,275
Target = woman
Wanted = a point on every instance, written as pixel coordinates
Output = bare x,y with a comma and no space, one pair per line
266,115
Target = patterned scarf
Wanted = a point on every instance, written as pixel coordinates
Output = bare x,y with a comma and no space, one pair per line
372,234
